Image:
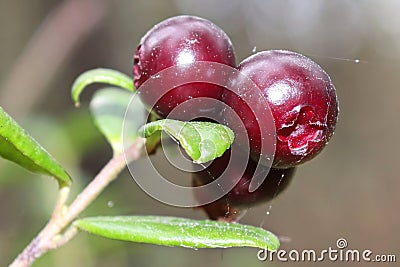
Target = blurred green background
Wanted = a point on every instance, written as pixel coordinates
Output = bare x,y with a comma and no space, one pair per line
349,191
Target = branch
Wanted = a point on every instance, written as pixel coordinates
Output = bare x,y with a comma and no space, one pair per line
50,237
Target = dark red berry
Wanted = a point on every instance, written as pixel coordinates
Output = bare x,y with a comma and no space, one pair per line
229,206
179,42
302,100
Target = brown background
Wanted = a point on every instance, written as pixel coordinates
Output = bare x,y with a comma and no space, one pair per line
349,191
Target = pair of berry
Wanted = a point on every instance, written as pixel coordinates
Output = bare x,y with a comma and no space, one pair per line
294,89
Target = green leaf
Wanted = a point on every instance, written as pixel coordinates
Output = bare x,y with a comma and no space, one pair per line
107,76
108,108
18,146
170,231
202,141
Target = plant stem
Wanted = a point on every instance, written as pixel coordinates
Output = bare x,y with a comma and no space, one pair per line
50,237
64,238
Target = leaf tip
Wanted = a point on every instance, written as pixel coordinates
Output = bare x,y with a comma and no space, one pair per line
141,131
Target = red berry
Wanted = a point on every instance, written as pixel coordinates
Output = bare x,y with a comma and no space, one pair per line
302,100
180,41
228,207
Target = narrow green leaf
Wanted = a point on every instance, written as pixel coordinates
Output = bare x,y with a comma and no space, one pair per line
107,76
170,231
18,146
108,107
202,141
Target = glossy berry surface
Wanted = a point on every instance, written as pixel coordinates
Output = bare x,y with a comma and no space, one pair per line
302,100
178,42
229,206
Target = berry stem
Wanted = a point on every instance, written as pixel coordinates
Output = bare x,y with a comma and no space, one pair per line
51,236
